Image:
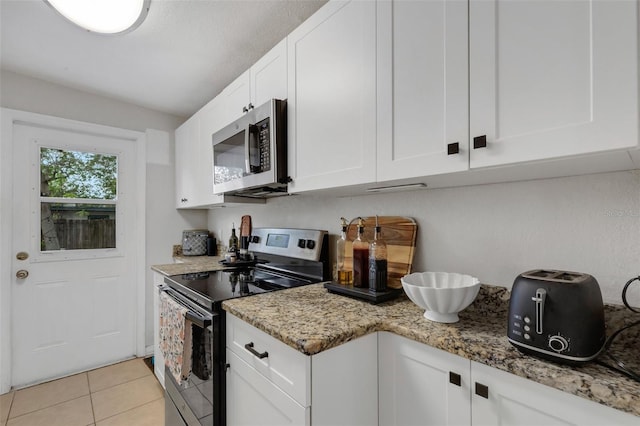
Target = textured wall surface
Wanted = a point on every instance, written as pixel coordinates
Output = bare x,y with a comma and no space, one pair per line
585,223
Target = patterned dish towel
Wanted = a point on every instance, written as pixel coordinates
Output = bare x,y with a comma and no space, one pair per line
175,337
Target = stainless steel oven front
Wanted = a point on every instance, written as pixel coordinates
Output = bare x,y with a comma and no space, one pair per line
198,400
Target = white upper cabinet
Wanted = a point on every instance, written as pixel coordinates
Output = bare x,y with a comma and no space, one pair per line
187,152
265,80
332,97
235,99
423,88
552,78
269,76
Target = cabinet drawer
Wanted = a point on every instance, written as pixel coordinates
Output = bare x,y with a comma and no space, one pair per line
254,400
287,368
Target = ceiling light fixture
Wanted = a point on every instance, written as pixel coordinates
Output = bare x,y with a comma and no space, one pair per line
103,16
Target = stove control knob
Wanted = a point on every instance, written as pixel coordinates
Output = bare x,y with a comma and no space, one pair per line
255,239
311,244
558,343
302,243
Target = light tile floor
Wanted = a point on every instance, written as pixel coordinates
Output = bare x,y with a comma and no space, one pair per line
124,394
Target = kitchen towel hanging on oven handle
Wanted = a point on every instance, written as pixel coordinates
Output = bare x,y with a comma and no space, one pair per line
175,337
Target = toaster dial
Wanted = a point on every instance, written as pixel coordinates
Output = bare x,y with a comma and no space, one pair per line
558,343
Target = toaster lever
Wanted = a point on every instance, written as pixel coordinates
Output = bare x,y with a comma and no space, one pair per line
541,295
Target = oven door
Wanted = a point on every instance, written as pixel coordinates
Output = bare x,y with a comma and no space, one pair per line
196,401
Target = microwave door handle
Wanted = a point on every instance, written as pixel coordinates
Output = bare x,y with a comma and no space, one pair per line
249,130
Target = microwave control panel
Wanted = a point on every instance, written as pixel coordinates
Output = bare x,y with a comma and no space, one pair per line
264,145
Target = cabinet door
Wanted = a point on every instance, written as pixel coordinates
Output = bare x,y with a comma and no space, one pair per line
234,99
415,384
552,78
187,150
282,365
254,400
269,76
513,400
423,88
332,97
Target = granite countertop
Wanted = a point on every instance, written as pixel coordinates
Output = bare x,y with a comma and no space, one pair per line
190,264
311,320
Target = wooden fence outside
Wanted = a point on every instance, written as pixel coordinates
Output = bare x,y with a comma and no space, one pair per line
86,234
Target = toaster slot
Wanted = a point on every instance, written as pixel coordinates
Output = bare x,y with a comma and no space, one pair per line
541,273
541,295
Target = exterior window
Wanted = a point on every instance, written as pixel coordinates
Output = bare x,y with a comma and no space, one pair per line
78,200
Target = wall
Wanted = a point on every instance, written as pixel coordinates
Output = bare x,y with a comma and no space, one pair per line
25,93
164,224
585,223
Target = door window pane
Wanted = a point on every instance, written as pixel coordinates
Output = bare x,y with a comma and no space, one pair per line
76,174
82,223
75,226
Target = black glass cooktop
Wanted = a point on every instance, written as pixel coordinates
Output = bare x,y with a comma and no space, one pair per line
219,285
210,288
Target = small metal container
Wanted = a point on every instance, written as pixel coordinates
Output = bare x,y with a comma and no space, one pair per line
194,242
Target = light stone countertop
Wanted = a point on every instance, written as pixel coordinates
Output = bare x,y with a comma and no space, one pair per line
310,320
190,265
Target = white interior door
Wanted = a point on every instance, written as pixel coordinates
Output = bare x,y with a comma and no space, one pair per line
73,295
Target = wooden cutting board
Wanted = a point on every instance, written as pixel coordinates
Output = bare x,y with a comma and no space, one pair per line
400,235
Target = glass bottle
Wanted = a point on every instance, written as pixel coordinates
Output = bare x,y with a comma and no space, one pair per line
233,240
377,262
344,275
360,258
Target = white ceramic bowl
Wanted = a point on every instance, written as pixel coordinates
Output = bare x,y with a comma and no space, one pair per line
441,294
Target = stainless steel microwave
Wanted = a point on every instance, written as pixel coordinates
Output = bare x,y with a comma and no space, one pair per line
250,154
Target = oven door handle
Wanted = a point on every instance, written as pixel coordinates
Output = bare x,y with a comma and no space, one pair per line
201,319
197,320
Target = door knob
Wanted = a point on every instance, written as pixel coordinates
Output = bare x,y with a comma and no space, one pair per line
22,255
22,274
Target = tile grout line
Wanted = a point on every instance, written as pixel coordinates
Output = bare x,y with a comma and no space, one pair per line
123,383
13,398
130,409
46,408
93,411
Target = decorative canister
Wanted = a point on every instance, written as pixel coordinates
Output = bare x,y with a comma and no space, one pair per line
194,242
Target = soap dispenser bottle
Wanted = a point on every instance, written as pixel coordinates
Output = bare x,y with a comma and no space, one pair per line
377,262
344,275
360,258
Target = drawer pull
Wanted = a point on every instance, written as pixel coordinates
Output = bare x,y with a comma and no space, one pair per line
482,390
455,379
453,148
480,142
249,347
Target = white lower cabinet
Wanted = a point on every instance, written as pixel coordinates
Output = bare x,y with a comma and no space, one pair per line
419,385
253,399
513,400
270,383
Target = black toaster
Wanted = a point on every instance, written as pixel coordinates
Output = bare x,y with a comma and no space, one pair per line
557,315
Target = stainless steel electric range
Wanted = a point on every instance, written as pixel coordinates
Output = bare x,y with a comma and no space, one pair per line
283,258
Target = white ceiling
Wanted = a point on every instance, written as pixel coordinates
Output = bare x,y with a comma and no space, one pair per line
182,55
